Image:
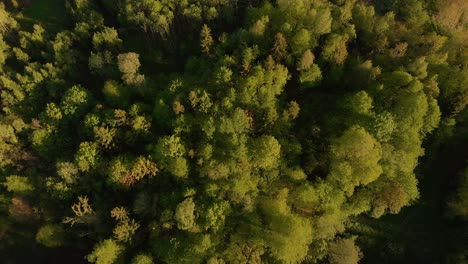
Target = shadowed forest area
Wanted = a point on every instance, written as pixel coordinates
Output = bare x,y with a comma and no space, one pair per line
233,131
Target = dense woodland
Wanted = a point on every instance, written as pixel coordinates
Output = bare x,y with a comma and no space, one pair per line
233,131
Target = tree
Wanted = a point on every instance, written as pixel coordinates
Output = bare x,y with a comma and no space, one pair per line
335,50
83,212
216,216
248,56
102,63
52,115
384,126
306,61
361,103
305,198
119,167
129,64
185,214
142,259
450,14
126,227
265,152
259,27
104,136
206,40
68,171
265,142
279,47
7,22
300,43
392,195
344,251
288,235
413,12
87,157
4,51
355,159
50,235
141,168
116,94
170,153
239,251
75,102
107,39
200,100
311,77
152,15
105,252
18,184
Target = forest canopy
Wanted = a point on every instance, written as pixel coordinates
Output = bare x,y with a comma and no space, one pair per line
221,131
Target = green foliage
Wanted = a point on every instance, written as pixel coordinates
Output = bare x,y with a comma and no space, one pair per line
84,213
154,16
265,152
259,27
142,259
384,126
311,77
335,50
106,252
129,64
7,22
126,227
200,101
307,60
87,156
288,235
355,159
116,94
279,48
50,236
67,171
250,252
170,152
107,39
104,136
118,169
206,40
75,102
18,184
361,103
184,214
4,51
236,131
216,216
296,174
344,251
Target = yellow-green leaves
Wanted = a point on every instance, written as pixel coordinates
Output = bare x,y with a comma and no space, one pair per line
344,251
265,152
105,252
355,159
287,234
51,235
206,40
18,184
185,214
